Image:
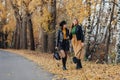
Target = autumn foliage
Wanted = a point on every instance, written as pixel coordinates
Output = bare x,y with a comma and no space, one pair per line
34,23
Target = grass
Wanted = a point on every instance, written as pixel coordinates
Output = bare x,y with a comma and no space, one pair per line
90,70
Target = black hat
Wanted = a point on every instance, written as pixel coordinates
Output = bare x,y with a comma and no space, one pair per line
62,23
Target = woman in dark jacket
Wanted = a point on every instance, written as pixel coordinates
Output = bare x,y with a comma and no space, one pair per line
62,42
77,39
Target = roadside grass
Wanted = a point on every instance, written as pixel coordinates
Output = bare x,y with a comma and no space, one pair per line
90,70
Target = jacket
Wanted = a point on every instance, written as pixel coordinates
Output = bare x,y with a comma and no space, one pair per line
59,36
79,33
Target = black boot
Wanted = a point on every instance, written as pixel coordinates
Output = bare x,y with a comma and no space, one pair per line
78,65
64,63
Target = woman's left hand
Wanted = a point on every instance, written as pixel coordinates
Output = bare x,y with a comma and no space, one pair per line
82,44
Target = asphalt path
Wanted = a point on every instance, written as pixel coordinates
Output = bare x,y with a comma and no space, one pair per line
16,67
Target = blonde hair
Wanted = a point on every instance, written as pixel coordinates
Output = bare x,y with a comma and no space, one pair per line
76,20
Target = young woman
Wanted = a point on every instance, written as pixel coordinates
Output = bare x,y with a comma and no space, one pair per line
62,42
77,39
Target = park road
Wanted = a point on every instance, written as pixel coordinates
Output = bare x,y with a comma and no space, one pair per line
16,67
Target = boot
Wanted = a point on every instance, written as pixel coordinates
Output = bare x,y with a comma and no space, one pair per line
64,63
78,65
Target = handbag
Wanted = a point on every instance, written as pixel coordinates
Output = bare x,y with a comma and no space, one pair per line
56,55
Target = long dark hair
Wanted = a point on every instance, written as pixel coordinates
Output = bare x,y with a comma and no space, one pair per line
62,23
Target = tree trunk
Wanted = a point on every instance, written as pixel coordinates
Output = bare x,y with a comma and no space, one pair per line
98,21
21,39
109,33
44,42
21,27
18,38
24,32
52,23
30,26
117,59
17,35
51,42
88,32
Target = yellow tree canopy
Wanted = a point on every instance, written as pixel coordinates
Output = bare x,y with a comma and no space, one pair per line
76,9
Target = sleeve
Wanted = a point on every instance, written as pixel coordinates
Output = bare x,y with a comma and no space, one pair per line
70,36
80,35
